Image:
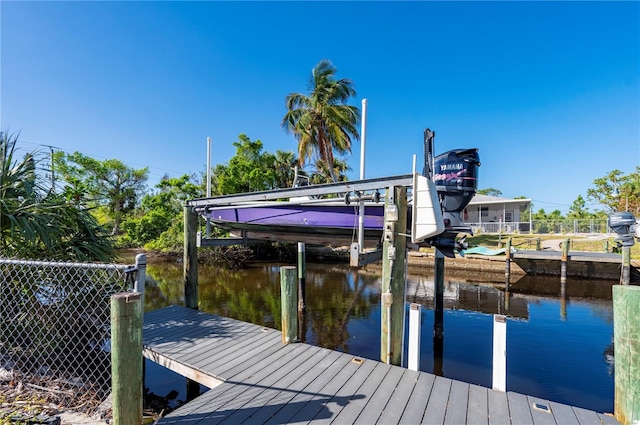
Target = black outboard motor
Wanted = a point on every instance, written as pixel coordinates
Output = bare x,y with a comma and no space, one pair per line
623,223
455,174
456,179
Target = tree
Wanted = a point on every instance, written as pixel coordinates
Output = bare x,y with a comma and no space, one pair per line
617,192
322,122
36,222
251,169
158,221
578,209
323,175
490,192
110,184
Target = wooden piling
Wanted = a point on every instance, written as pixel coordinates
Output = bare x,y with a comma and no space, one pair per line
126,358
565,257
393,294
438,295
625,274
538,245
190,260
302,291
626,336
289,302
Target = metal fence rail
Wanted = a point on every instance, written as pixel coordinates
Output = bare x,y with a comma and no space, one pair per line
55,324
560,226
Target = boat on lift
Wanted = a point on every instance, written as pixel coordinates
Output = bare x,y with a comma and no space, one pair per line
433,214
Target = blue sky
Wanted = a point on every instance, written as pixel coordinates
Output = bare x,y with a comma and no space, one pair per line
549,92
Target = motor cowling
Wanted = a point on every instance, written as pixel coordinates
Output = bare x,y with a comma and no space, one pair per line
456,178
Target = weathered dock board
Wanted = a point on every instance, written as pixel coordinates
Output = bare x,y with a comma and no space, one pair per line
255,379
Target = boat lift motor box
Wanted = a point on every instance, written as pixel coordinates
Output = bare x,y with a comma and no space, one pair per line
622,223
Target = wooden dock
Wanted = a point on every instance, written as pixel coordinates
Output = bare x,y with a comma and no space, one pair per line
255,379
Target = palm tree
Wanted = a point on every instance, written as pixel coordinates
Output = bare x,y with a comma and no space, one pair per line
36,222
323,122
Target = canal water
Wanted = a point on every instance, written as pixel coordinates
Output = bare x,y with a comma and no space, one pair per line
557,349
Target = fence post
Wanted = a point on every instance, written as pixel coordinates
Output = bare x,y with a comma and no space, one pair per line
626,339
538,245
499,381
289,302
126,358
141,277
413,362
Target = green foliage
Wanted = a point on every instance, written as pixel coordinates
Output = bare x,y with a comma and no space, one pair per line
490,192
37,223
101,183
252,170
158,223
322,122
617,192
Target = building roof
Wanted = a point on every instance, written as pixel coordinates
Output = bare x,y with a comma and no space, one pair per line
479,199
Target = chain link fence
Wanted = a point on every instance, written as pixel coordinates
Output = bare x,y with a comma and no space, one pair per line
55,326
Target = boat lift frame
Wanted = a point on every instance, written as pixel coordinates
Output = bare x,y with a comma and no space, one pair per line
358,255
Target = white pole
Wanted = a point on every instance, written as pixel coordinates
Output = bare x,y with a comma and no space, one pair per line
414,337
363,138
499,382
208,230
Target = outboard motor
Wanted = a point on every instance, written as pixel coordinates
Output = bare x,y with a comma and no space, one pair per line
455,175
623,224
456,179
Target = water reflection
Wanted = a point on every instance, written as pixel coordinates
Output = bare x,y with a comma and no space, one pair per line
558,339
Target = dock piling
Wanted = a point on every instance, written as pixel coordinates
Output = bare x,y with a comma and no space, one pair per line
289,301
625,274
126,357
415,312
393,295
190,262
507,271
302,292
565,257
626,338
438,300
499,381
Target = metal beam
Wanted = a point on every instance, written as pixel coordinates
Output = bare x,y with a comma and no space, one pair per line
321,189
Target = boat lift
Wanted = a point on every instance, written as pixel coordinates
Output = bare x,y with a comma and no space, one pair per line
427,220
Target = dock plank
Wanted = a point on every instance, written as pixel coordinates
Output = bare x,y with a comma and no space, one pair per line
287,393
437,404
540,415
345,393
498,408
357,403
414,410
400,397
380,397
519,409
314,394
477,407
586,417
262,381
563,414
458,404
